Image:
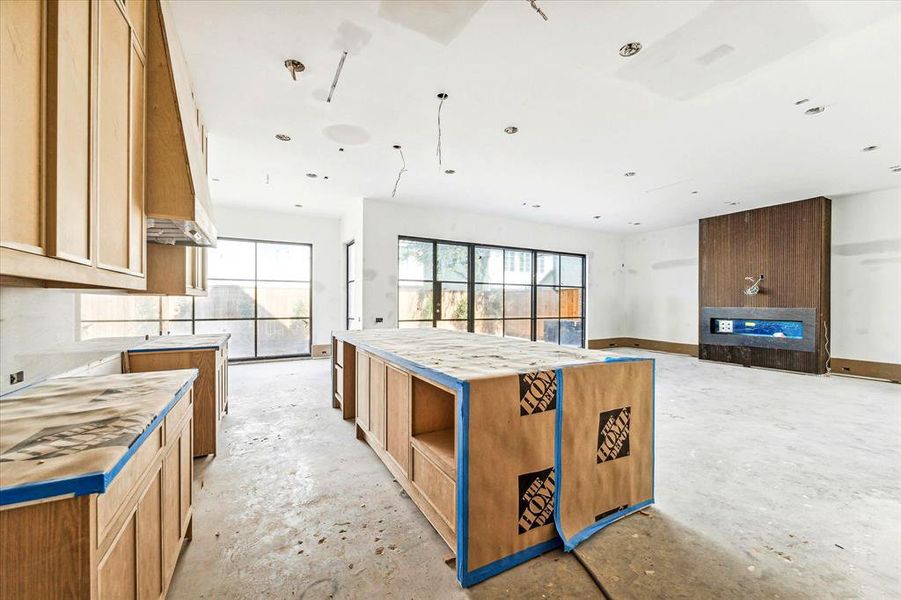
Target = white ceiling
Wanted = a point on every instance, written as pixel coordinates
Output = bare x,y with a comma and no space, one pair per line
708,105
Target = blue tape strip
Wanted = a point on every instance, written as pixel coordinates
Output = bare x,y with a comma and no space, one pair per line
438,376
508,562
463,484
88,483
571,543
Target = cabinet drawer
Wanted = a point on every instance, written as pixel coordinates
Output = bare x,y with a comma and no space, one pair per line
109,503
438,488
177,415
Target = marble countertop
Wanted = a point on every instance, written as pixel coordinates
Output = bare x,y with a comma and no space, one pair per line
465,356
72,435
214,341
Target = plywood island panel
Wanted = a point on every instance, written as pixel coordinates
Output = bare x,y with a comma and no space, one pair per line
96,485
510,448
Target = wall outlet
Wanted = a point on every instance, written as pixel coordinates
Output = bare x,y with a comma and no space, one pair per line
724,326
17,377
379,320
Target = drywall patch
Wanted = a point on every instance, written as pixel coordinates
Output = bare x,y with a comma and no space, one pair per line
439,20
346,134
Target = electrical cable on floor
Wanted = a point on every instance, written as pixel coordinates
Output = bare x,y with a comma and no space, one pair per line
403,170
592,574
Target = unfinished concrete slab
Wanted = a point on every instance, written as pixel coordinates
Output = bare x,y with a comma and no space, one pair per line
768,484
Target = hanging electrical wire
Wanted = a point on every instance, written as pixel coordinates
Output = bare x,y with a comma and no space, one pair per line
441,97
538,10
337,75
403,169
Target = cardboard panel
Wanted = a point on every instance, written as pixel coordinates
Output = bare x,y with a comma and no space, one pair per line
511,465
605,445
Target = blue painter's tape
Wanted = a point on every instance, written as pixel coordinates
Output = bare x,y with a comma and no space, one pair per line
88,483
508,562
579,537
140,350
437,376
463,483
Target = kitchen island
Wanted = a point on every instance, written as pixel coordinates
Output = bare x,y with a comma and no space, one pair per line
510,448
95,485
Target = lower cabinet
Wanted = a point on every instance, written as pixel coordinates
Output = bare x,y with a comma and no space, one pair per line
123,544
362,392
377,376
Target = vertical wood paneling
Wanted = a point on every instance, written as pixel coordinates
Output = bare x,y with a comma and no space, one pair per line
790,245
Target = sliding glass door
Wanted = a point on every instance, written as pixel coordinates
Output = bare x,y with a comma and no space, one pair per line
511,292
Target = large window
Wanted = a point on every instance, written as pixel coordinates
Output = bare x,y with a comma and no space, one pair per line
259,292
350,308
512,292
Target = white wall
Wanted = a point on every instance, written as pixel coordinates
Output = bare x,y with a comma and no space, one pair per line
384,221
661,285
323,233
866,276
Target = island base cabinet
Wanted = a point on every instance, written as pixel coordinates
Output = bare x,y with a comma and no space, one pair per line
59,549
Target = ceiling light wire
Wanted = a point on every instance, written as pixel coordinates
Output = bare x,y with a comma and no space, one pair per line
403,169
442,97
335,80
537,9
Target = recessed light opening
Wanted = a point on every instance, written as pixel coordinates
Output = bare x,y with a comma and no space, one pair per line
801,101
298,206
895,169
312,175
511,129
449,171
630,49
694,192
596,217
629,174
869,148
282,137
815,110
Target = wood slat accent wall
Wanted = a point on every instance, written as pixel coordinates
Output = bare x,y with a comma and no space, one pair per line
790,245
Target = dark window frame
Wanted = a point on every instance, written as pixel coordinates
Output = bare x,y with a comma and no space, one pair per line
348,281
471,283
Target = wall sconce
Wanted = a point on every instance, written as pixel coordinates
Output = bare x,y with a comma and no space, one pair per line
754,289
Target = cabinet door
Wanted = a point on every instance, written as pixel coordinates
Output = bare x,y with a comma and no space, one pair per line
377,399
362,395
397,417
21,95
117,577
68,144
137,236
149,520
113,106
186,475
171,529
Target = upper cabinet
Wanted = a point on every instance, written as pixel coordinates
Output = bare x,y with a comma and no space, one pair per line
177,193
72,90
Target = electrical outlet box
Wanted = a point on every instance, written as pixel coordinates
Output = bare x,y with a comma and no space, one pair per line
17,377
724,326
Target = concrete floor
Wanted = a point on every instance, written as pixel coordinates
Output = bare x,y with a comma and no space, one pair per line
769,485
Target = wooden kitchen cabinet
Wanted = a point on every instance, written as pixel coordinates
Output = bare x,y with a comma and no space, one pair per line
176,270
209,355
377,376
72,143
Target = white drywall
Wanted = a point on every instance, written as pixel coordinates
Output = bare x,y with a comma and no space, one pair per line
384,221
866,276
661,285
323,233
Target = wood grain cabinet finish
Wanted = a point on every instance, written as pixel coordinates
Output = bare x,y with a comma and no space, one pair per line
72,85
176,270
362,389
210,389
70,548
377,408
397,417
